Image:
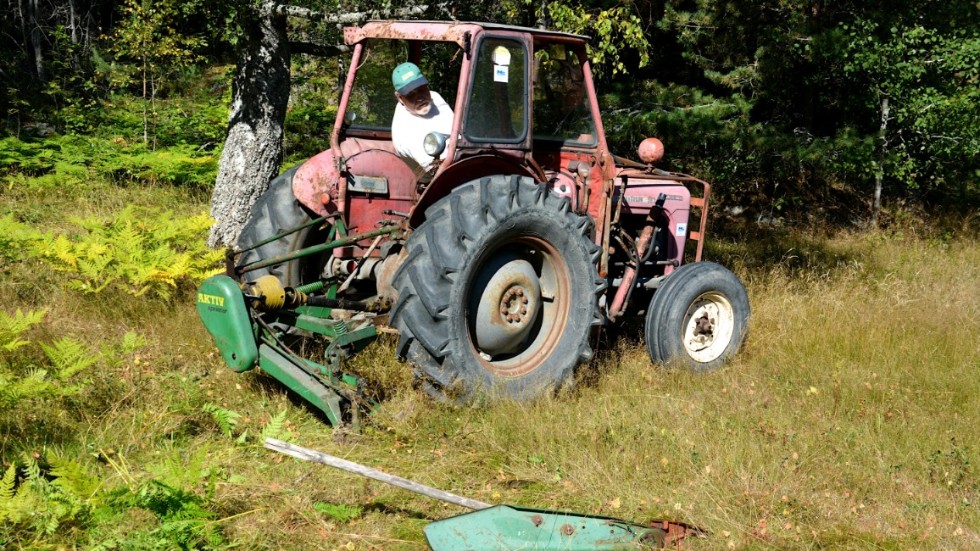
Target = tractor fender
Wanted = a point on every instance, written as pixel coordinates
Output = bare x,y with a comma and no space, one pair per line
461,172
317,182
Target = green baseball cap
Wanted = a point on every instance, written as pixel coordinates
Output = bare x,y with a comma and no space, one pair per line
407,77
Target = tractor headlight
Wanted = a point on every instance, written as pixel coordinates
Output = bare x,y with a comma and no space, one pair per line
434,143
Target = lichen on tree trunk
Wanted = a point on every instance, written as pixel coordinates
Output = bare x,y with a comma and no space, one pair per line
252,152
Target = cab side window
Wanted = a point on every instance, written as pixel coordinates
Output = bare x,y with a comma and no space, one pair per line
372,101
561,104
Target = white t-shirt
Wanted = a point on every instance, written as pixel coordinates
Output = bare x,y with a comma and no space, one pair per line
408,130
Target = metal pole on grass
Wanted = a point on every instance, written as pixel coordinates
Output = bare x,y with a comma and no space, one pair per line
307,454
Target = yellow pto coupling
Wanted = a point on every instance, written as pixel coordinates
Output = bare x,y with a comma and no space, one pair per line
268,293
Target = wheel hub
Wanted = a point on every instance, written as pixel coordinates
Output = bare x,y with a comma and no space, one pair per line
703,325
709,327
508,308
513,305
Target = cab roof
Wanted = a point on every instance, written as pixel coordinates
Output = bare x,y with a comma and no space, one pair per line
443,31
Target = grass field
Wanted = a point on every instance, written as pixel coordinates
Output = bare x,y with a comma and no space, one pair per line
851,419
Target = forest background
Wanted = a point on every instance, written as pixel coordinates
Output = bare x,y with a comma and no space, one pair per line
787,103
120,429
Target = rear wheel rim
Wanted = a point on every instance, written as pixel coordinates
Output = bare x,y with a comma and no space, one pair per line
536,310
708,327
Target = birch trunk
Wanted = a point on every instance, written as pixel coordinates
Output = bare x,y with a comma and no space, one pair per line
880,172
253,149
37,39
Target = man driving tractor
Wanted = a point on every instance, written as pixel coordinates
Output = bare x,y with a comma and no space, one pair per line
419,112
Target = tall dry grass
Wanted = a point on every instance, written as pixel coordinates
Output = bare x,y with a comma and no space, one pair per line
850,420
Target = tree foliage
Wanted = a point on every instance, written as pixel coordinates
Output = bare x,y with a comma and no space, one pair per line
780,102
148,34
809,79
932,78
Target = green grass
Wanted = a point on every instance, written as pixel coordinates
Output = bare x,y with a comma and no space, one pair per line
849,421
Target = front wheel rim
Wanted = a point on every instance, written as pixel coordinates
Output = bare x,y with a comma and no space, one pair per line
708,327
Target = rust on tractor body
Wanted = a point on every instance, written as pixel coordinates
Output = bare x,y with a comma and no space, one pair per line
440,31
610,190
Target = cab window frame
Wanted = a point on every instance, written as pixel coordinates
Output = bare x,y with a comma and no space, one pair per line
521,135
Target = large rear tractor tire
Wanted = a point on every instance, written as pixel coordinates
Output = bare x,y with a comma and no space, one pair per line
498,294
275,211
698,318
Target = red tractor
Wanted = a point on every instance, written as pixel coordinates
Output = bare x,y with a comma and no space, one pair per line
499,264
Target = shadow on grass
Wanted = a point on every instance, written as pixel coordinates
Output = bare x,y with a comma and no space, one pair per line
386,509
269,385
752,249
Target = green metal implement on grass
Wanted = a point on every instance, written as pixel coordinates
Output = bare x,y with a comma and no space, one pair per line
245,340
509,526
256,323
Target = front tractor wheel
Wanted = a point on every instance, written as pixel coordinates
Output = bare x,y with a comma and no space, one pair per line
499,291
698,317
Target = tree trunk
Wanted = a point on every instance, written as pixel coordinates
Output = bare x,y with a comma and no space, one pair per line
143,47
37,38
72,22
253,148
880,172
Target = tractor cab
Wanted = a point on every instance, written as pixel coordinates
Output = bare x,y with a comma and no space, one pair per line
523,104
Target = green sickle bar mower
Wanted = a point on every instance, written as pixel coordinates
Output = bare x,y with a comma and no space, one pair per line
254,322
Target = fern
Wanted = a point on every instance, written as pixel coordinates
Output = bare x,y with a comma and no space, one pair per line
62,250
7,485
226,419
133,251
122,351
276,427
34,384
38,502
131,342
340,512
12,327
16,238
69,494
185,514
69,356
44,502
22,379
63,160
73,478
